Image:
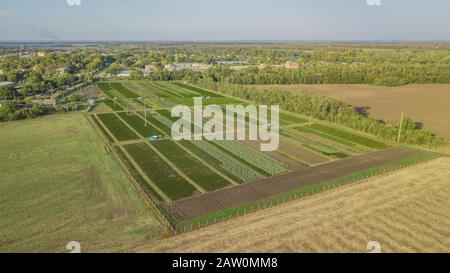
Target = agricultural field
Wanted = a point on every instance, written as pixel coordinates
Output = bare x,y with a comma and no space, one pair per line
60,184
198,182
425,103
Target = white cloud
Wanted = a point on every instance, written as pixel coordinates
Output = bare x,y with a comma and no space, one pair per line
374,2
73,2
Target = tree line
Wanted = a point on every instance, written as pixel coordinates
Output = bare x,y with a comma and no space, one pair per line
329,109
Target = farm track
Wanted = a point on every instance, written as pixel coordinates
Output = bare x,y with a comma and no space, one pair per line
227,198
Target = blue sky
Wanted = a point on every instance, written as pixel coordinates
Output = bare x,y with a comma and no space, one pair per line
225,20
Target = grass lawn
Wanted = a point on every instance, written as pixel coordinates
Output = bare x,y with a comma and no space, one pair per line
59,184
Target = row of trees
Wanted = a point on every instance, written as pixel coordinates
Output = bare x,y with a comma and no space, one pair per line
329,109
12,110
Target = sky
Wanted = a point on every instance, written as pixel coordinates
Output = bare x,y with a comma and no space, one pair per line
221,20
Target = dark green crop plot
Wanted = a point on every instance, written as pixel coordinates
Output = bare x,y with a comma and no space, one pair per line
107,89
94,118
364,141
160,172
112,105
151,118
123,90
138,124
197,90
120,131
190,166
137,177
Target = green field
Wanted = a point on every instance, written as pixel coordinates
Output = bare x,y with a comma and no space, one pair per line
114,106
120,131
123,90
364,141
190,166
60,184
160,172
138,124
198,90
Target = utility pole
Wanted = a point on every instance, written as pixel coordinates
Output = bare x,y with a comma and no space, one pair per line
400,129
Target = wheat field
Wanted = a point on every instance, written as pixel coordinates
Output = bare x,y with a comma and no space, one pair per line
405,211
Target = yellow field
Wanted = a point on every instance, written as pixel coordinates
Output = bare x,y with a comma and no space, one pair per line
405,211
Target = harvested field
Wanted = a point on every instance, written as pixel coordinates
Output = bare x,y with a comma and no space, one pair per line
425,103
230,197
405,211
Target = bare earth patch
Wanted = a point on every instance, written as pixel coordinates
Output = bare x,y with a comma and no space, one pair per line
405,211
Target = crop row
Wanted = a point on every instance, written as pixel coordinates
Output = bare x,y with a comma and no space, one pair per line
190,166
260,161
200,91
123,90
231,165
120,131
172,184
138,124
364,141
113,105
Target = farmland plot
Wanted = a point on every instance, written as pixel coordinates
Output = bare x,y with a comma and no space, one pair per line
190,166
160,172
120,131
138,124
364,141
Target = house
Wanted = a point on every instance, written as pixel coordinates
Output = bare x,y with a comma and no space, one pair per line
41,54
124,73
291,65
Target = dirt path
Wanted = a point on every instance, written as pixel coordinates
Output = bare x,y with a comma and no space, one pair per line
405,211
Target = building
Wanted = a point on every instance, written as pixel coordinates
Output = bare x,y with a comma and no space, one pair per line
291,65
41,54
200,67
233,63
124,73
7,84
